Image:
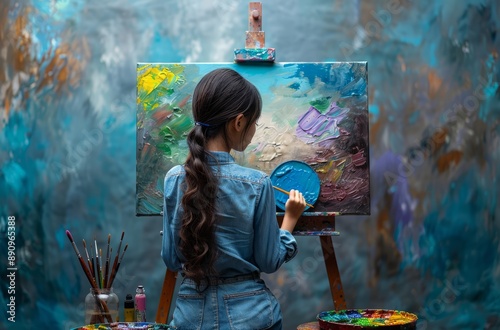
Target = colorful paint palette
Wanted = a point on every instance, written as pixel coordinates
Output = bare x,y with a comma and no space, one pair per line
125,326
366,319
296,175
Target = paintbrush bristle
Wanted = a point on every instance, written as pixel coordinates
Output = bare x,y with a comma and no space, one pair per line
69,235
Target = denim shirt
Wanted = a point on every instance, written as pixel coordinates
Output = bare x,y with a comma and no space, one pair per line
247,233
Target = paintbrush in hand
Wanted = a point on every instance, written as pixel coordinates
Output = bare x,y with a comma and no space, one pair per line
288,193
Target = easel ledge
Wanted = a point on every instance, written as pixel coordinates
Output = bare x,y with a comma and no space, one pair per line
332,268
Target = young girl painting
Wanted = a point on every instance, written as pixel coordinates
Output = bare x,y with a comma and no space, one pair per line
219,218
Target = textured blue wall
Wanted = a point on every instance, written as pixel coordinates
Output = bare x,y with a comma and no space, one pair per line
67,157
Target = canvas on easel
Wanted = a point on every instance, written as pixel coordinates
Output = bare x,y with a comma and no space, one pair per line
316,113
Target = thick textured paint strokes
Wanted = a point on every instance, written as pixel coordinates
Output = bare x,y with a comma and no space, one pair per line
295,175
68,134
255,54
290,127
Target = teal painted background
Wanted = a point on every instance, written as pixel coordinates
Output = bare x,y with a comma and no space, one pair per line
67,156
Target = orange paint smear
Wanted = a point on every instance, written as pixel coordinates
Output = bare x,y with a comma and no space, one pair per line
438,139
183,102
65,63
64,69
435,83
445,161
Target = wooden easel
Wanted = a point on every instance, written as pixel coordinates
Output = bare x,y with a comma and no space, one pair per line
322,226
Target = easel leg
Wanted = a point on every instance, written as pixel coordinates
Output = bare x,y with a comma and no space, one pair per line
332,270
167,293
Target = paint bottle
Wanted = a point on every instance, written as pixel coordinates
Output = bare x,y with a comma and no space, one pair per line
140,304
129,309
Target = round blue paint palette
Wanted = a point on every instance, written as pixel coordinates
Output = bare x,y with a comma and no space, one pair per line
296,175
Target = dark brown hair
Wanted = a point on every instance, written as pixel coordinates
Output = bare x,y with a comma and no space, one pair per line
220,96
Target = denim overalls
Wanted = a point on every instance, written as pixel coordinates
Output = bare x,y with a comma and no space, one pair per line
249,242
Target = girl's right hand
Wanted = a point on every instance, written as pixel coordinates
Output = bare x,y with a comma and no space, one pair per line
294,207
295,204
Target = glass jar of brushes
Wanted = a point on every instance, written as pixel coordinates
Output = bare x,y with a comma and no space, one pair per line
101,306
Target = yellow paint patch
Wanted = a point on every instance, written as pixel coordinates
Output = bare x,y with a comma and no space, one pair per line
152,77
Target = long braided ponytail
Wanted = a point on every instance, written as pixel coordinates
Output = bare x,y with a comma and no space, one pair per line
220,96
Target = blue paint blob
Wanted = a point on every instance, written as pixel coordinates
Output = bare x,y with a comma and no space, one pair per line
295,175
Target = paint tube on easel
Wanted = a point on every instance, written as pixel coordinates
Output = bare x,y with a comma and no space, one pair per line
129,309
140,304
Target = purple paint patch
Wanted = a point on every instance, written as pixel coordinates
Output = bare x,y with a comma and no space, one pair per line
313,126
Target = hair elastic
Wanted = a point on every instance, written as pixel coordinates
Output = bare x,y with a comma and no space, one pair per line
198,123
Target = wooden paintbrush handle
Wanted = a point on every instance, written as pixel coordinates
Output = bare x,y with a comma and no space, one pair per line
288,193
